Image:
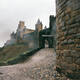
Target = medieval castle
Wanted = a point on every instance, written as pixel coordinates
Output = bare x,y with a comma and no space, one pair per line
35,38
25,34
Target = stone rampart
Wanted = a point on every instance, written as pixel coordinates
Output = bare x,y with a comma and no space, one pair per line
68,38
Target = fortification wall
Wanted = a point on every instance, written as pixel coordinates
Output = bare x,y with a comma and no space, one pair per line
52,27
31,39
68,38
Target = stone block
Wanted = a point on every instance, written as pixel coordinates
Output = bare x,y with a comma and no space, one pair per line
78,61
75,54
69,60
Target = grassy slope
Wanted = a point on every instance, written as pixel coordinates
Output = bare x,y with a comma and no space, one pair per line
11,52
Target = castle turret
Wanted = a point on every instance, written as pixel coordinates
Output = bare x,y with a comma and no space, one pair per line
21,29
21,25
39,25
13,35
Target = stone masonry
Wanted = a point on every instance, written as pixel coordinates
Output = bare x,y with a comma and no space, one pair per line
68,38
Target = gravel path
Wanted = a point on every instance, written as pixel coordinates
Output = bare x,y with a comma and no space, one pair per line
39,67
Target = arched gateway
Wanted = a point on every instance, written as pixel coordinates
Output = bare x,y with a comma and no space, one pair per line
47,35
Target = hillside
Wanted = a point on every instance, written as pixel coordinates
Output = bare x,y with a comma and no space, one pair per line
10,52
39,67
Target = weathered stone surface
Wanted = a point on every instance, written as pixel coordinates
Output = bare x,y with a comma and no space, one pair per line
68,45
78,61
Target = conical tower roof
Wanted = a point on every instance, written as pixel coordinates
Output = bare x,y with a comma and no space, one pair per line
38,21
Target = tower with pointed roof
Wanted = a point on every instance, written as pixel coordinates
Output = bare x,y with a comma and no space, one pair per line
39,25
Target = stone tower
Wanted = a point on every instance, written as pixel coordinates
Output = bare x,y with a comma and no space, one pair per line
39,25
20,30
68,38
21,26
13,35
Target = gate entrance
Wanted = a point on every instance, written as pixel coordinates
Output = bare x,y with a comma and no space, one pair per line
46,41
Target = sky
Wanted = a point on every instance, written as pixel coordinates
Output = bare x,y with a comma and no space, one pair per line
13,11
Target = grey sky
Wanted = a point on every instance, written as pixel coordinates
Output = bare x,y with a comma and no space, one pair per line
12,11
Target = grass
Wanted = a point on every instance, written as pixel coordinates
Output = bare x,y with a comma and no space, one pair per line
15,54
10,52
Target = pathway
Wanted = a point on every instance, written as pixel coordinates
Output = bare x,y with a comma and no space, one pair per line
39,67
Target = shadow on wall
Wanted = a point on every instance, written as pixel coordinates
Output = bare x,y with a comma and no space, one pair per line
48,34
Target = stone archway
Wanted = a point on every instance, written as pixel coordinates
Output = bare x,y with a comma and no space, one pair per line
47,39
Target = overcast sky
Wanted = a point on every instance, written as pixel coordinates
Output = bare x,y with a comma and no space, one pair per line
12,11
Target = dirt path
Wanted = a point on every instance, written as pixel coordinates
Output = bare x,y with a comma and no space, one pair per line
39,67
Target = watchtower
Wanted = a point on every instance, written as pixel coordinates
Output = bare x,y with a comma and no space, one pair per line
39,25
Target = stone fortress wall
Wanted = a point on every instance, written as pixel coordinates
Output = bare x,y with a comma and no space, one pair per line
31,40
25,35
68,38
47,36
